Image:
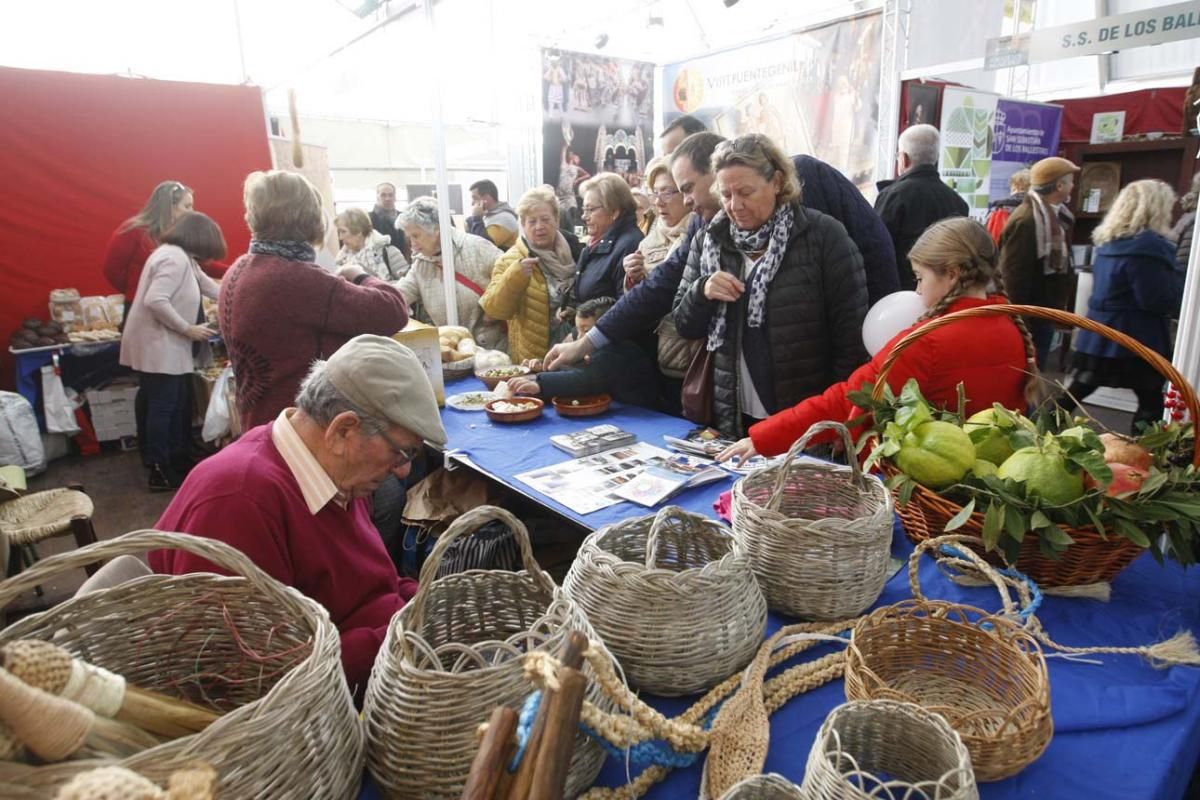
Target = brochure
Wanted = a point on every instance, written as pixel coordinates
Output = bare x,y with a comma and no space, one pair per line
663,479
595,439
705,442
587,484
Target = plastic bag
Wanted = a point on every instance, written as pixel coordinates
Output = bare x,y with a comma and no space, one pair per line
60,413
216,417
20,441
491,359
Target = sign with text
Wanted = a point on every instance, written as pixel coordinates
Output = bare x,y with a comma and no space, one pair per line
1024,133
1120,32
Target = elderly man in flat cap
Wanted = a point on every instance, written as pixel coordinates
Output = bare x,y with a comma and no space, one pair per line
1035,247
292,494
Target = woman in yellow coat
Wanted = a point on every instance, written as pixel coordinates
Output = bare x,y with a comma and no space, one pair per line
531,282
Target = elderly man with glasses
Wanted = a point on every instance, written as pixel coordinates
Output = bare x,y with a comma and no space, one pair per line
293,494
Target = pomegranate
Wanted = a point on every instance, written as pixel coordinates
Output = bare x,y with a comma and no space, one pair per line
1126,478
1119,450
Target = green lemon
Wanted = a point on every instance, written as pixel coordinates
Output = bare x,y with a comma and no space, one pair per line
982,468
936,454
1044,475
994,446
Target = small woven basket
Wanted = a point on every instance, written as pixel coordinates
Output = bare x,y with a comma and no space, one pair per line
248,645
984,673
818,535
1093,557
452,655
764,787
880,749
673,597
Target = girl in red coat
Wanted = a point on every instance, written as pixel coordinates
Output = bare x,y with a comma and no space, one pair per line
955,266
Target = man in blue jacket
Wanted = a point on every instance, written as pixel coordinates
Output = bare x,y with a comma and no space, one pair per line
823,188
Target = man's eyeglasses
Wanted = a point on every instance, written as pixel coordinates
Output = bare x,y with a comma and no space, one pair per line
403,455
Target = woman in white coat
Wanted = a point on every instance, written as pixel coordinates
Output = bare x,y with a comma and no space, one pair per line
162,330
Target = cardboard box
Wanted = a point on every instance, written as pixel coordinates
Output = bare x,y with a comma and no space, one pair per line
113,393
114,415
422,339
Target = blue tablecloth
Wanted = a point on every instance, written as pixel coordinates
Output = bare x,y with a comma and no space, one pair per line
507,450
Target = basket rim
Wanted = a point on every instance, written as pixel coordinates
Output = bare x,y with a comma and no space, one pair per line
594,555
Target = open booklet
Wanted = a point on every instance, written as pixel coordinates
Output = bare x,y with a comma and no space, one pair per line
664,478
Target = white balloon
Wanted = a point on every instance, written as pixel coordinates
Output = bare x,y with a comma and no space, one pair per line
889,316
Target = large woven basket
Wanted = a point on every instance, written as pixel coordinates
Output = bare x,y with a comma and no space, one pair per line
452,655
673,597
1093,557
984,673
818,535
248,645
764,787
877,749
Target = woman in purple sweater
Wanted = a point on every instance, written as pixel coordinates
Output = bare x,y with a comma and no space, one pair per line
280,310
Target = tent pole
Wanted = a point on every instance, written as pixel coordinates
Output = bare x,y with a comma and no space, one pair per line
443,191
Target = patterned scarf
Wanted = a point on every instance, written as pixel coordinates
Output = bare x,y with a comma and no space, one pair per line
291,250
773,235
1051,241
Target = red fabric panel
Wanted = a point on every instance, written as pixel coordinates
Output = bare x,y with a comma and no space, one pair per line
79,154
1146,110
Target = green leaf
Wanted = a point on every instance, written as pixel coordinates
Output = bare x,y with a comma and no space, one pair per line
906,491
960,519
1153,483
911,393
1093,463
1011,549
1015,524
1155,439
1131,531
1021,438
1095,518
1039,520
993,522
1056,536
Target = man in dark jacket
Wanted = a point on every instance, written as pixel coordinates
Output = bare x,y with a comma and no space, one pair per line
383,218
918,198
823,188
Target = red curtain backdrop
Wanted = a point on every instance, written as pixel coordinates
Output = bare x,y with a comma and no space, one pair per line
1146,111
81,153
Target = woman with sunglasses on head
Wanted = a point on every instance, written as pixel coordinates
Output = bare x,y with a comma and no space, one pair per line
137,237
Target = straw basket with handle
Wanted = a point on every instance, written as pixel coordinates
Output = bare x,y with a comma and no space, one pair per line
264,653
764,787
1093,557
673,597
984,673
818,535
452,655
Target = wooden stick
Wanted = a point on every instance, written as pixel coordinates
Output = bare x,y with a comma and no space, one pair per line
558,740
522,783
495,751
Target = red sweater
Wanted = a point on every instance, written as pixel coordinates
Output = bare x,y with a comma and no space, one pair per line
126,256
246,496
987,355
279,315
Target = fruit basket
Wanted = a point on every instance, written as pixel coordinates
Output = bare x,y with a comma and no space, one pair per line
1092,517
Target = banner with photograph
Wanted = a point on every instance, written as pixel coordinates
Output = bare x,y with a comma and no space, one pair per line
1024,133
813,92
968,138
597,116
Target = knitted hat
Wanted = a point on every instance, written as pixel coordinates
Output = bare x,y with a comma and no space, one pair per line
1049,170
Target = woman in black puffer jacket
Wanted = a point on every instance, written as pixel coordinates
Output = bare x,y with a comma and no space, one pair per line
777,290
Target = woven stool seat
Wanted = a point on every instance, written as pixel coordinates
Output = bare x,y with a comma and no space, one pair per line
38,516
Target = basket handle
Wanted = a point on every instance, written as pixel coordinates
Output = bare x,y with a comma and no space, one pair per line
914,561
856,475
660,519
466,525
223,555
1160,364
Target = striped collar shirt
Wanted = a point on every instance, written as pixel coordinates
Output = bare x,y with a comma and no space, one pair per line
315,484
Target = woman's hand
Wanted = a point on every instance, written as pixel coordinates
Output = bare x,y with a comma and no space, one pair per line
723,287
534,364
527,265
635,268
351,271
199,333
564,354
739,451
524,385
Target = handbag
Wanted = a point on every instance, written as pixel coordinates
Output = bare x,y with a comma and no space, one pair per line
696,397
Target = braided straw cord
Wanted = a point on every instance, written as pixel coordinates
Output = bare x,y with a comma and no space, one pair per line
454,654
819,535
1093,558
673,597
118,783
917,751
245,643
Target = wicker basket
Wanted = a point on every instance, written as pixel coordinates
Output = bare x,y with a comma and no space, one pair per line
819,535
243,643
984,673
451,656
764,787
875,749
673,597
1092,558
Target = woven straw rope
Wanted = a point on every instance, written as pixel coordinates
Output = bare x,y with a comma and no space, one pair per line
673,597
452,655
819,536
764,787
880,749
38,516
176,635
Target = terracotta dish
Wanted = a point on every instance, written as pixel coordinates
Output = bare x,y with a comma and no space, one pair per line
588,406
493,376
533,409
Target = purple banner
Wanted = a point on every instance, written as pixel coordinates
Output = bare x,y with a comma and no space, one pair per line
1024,133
